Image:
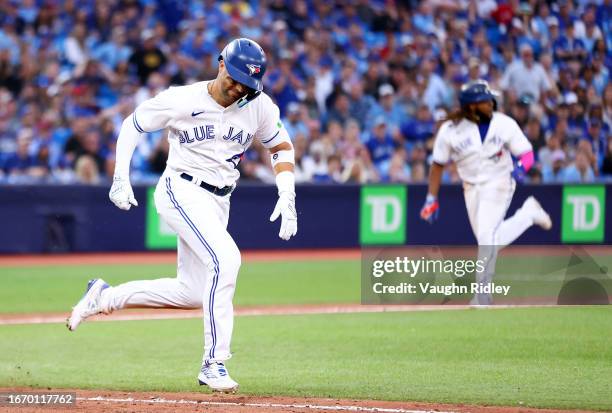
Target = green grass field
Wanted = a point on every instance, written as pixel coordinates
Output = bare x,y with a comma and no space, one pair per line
541,357
57,288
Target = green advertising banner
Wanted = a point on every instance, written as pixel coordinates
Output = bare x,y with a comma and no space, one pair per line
382,215
583,213
158,234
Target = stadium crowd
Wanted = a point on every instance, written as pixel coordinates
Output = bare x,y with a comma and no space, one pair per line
362,85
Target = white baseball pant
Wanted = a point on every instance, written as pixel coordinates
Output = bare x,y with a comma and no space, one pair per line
208,263
487,204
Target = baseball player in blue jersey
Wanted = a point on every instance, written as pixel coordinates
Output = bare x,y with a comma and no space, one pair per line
211,124
480,141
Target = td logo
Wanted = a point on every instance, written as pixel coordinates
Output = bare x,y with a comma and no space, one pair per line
383,215
584,212
158,234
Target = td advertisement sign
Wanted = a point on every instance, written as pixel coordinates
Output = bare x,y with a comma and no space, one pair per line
583,213
158,233
383,215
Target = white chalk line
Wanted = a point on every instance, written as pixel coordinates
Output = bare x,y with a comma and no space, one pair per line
259,405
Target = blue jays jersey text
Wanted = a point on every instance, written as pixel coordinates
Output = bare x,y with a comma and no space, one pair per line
208,132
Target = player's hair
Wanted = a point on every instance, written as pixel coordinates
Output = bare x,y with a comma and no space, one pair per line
462,113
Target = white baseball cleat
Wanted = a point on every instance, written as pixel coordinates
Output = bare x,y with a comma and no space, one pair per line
540,217
88,305
215,376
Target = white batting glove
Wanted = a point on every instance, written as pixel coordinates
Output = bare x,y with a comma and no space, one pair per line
121,193
285,207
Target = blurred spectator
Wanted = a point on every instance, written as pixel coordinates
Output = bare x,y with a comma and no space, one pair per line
374,76
534,133
526,76
554,172
350,146
575,121
148,58
597,138
436,92
75,46
361,170
588,32
114,51
580,170
293,121
381,145
86,170
332,173
399,170
284,82
341,109
601,71
386,108
23,164
474,72
420,128
418,173
91,146
315,163
567,47
156,83
360,103
310,100
281,39
520,110
544,155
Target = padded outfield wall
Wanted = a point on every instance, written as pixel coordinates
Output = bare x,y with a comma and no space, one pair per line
36,219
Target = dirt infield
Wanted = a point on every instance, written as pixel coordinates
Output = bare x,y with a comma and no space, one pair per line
116,401
169,257
167,314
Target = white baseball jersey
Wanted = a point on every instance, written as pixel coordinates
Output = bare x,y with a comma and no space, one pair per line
479,161
206,139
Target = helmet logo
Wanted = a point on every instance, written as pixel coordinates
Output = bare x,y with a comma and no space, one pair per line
253,69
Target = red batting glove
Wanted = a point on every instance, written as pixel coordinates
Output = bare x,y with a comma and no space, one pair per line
430,210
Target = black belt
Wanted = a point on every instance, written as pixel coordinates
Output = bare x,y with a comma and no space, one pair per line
210,188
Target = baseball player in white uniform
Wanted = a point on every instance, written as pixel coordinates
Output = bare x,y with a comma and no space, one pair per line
480,141
211,124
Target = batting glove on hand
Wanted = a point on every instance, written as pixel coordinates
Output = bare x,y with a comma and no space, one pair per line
285,207
430,210
519,174
121,193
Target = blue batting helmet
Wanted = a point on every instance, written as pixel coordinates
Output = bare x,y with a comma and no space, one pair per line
476,91
245,62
